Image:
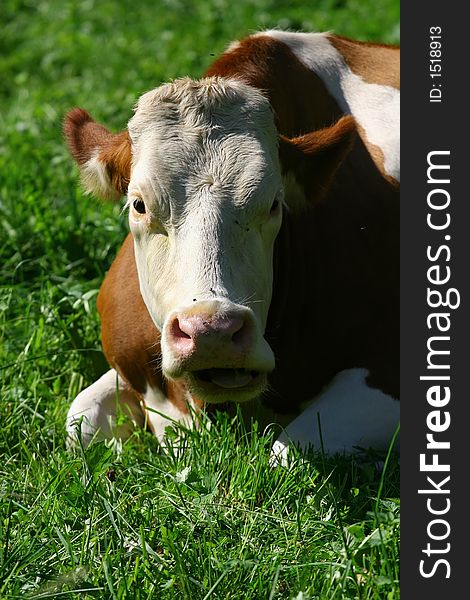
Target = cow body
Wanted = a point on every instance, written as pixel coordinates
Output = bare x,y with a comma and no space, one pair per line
271,276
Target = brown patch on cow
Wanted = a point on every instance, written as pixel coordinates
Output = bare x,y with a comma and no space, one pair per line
315,157
130,340
374,63
86,139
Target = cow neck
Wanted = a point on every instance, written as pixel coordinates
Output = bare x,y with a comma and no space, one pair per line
334,267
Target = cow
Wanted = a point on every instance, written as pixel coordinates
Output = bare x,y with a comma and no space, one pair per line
262,263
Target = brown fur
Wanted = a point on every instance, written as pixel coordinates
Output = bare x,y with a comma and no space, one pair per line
130,340
83,134
375,63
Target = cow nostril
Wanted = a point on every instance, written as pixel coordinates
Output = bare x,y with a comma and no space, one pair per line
240,337
177,332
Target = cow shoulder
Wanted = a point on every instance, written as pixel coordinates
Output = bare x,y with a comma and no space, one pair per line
375,63
363,79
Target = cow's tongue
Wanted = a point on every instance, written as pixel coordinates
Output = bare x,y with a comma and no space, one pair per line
230,378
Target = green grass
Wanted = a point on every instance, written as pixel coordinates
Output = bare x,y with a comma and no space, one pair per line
215,521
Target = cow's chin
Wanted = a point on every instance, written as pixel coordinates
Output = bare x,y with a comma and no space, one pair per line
216,386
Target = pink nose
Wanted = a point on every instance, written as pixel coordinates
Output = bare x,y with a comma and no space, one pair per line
204,333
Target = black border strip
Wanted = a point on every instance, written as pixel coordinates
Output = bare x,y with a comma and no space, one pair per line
427,127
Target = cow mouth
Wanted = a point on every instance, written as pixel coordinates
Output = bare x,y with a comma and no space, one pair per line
227,379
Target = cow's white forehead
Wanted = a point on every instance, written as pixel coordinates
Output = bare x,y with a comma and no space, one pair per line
203,104
213,132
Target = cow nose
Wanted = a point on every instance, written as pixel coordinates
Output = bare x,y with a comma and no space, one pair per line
228,332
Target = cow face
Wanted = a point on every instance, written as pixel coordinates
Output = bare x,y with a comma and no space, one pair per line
204,199
200,164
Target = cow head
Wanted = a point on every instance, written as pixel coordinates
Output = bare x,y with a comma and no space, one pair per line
201,170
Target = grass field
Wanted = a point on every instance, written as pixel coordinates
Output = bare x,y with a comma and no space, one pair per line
215,521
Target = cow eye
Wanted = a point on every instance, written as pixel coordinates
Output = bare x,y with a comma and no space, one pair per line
274,206
139,206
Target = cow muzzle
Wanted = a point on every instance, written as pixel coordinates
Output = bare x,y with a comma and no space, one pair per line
218,348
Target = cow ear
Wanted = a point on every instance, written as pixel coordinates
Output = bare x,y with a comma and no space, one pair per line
313,159
104,158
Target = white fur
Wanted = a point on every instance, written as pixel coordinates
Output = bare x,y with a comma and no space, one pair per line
160,413
95,179
92,414
375,107
352,415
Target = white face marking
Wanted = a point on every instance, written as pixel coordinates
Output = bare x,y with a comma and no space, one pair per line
375,107
351,415
205,162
